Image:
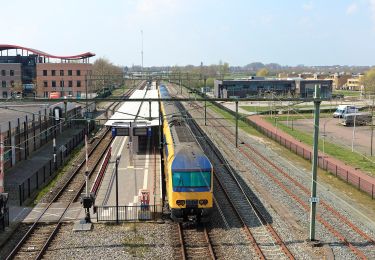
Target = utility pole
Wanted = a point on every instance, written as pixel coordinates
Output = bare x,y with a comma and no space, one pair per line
205,102
314,199
372,124
117,163
1,162
236,123
142,48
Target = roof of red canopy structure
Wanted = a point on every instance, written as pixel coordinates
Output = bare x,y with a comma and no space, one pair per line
41,53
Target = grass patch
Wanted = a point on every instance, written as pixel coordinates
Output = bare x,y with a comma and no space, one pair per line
242,125
347,93
135,245
332,149
119,91
66,168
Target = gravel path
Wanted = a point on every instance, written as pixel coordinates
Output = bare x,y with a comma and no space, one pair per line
107,241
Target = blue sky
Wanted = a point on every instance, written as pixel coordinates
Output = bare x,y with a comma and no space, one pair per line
181,32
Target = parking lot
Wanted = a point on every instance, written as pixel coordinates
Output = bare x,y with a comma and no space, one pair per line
337,133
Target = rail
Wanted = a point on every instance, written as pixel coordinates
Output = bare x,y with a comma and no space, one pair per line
59,194
102,169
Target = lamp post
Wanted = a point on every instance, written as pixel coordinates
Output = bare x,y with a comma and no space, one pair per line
353,135
116,172
324,134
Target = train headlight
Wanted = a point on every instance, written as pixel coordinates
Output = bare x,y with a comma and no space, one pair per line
203,202
180,202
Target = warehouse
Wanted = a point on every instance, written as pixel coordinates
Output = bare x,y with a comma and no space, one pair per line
264,87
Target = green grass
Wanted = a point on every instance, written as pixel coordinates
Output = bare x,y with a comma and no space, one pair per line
119,91
242,125
60,173
332,149
347,93
267,108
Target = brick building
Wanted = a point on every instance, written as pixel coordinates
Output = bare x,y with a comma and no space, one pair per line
36,73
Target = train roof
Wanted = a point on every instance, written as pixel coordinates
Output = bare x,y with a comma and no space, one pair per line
191,158
180,131
138,112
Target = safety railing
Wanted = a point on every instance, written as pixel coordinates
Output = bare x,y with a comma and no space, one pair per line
128,213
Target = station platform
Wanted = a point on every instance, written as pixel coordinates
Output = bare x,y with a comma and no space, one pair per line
137,170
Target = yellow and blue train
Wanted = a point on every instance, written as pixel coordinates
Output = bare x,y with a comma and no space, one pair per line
188,171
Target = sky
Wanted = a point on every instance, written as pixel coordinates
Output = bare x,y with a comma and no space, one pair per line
183,32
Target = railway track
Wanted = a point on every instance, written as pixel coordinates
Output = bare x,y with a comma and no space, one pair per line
339,225
194,241
262,236
336,223
40,235
37,239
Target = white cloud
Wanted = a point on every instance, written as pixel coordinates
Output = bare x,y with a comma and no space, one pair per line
308,6
351,9
372,9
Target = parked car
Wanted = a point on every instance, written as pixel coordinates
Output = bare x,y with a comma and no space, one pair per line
345,109
360,119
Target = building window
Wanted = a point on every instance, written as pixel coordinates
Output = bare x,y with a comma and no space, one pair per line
11,73
61,72
5,94
78,73
53,84
70,84
61,83
53,72
78,83
70,73
78,94
4,84
46,94
3,73
70,93
45,84
44,72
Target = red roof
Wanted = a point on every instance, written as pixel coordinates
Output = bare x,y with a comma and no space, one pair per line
40,53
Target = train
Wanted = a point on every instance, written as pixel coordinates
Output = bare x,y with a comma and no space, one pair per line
188,171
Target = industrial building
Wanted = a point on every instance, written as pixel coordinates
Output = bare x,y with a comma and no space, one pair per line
260,86
36,73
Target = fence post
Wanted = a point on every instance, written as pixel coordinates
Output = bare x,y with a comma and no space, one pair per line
28,187
359,183
44,174
37,179
20,193
347,177
372,191
50,167
336,170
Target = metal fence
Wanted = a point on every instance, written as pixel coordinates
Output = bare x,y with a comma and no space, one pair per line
128,213
4,218
47,171
347,175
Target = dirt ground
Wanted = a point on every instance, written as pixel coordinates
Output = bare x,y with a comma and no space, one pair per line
337,133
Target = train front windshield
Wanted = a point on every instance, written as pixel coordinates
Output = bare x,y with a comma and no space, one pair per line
191,181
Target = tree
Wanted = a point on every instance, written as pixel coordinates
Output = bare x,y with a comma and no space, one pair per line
368,81
106,74
263,72
17,87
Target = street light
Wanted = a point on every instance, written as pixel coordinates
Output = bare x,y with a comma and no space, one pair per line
116,172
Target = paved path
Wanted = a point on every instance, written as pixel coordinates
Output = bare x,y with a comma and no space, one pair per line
261,122
136,174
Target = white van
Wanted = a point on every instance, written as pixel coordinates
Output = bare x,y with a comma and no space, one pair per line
345,109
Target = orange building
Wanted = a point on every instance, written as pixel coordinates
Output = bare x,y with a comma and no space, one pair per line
41,74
